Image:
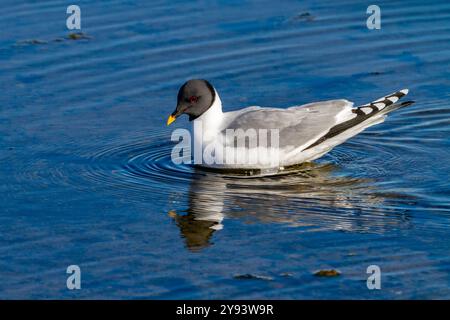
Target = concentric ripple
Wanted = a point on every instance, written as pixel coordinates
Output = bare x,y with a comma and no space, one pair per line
140,165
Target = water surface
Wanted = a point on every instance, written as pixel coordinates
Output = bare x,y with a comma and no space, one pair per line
86,176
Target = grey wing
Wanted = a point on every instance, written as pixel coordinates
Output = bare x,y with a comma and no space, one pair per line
297,125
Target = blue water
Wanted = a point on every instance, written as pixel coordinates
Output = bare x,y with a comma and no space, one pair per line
86,176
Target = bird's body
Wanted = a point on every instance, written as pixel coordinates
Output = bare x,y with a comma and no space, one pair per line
303,133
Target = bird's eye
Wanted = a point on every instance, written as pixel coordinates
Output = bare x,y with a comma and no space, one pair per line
193,99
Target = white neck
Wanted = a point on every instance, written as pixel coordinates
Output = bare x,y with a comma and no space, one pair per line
210,120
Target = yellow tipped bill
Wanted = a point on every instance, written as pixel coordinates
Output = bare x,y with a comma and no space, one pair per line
170,119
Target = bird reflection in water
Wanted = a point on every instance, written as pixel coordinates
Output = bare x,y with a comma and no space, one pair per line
309,196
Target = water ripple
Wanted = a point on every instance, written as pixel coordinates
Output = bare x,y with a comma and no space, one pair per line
140,165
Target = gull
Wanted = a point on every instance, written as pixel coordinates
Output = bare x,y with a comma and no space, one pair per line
301,133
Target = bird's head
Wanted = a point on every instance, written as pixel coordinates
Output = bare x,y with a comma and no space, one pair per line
194,98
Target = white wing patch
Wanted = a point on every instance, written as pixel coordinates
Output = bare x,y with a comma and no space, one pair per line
380,105
394,99
366,110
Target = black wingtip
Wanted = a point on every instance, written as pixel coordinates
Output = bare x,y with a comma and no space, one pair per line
406,103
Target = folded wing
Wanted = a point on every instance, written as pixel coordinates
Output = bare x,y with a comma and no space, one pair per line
297,125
